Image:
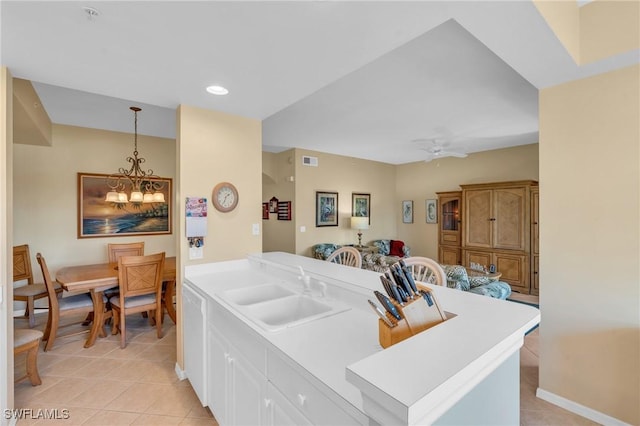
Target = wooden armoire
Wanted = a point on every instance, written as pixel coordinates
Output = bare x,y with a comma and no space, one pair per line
498,225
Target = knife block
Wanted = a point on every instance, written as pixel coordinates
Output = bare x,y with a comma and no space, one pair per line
416,315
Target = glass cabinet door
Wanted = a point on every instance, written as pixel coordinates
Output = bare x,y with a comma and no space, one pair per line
450,215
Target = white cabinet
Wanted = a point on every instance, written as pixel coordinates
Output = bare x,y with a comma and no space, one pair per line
280,412
194,317
236,385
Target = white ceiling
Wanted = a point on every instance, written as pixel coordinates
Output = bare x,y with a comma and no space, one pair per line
353,78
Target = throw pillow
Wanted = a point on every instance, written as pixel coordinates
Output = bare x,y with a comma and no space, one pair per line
395,248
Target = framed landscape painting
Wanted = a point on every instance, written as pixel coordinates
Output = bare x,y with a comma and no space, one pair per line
99,218
326,208
360,205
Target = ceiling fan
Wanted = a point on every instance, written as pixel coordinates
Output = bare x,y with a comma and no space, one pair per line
437,149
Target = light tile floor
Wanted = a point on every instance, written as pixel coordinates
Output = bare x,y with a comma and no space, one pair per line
106,385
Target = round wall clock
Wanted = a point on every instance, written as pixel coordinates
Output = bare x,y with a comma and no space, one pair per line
225,197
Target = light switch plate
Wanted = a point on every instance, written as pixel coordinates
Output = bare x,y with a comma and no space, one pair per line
303,229
195,253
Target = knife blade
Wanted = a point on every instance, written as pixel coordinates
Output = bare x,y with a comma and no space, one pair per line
380,313
386,303
409,275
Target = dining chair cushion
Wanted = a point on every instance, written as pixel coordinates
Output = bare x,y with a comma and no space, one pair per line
133,301
73,302
29,290
22,336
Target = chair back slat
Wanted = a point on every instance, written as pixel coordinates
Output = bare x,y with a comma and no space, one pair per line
22,264
127,249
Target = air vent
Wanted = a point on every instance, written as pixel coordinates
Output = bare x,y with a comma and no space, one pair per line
309,161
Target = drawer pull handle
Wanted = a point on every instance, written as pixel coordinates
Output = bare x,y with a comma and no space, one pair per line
301,399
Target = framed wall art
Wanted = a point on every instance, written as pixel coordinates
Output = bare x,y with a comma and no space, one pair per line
265,211
99,218
407,211
284,210
361,205
326,208
431,208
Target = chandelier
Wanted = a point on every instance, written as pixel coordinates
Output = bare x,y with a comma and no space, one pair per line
134,177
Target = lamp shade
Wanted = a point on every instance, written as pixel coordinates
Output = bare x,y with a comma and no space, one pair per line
359,222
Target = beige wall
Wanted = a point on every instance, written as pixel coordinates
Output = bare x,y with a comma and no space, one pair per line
590,260
216,147
45,191
420,181
596,30
344,175
278,169
6,237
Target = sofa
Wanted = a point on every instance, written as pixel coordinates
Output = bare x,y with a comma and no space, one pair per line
457,276
389,252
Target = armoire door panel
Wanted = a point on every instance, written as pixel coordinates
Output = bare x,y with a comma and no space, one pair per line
509,218
478,229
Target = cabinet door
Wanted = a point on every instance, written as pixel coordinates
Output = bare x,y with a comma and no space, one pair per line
479,257
217,375
449,256
508,218
449,220
247,390
514,269
194,359
535,275
477,223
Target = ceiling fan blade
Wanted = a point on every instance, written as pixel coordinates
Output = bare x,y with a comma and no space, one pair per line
452,154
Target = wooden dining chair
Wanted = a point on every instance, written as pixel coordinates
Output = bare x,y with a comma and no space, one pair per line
61,307
140,285
30,292
125,249
348,256
28,341
426,270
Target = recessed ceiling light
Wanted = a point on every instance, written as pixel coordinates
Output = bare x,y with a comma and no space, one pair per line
217,90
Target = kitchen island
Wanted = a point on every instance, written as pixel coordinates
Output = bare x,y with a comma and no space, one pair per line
253,356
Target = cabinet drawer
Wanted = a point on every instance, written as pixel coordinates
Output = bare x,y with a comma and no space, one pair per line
308,399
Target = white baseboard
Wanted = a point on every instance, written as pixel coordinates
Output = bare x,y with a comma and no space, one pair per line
180,372
579,409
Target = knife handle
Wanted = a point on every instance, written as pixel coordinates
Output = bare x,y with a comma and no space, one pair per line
407,273
388,305
386,286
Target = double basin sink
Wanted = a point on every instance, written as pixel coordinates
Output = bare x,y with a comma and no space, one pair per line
275,307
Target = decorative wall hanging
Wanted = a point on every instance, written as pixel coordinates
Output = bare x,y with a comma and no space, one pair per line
431,208
326,208
265,211
99,218
284,210
273,205
407,211
360,205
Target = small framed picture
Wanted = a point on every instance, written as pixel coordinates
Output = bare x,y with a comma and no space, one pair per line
326,208
265,211
273,205
407,211
431,207
360,205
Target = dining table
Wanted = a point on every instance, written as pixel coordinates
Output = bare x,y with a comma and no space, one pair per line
98,278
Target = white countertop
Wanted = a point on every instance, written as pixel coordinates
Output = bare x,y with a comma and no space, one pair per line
418,379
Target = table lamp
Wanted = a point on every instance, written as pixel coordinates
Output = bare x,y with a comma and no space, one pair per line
359,223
